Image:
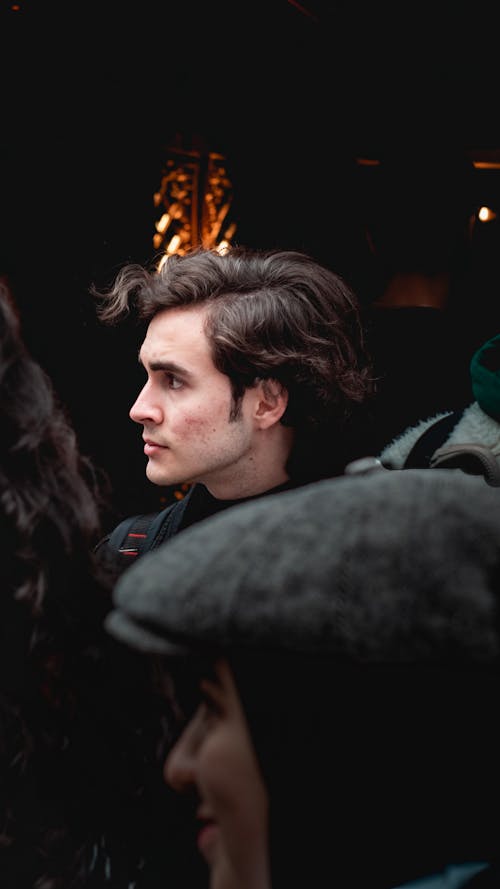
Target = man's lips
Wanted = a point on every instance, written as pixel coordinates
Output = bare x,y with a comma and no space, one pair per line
150,447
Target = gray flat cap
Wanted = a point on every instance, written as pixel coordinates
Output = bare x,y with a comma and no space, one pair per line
386,566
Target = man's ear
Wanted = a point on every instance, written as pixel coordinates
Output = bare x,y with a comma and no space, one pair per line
270,404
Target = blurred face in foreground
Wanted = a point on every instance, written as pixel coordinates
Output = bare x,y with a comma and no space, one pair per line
215,757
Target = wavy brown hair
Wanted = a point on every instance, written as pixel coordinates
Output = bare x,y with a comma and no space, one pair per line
274,314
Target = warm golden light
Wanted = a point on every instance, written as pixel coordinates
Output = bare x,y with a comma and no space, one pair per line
174,244
195,198
486,214
486,165
163,223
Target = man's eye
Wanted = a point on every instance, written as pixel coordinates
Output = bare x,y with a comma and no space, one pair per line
173,382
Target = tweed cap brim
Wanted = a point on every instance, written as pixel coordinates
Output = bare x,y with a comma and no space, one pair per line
385,566
138,636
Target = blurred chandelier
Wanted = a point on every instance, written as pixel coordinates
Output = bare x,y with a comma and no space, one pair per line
193,203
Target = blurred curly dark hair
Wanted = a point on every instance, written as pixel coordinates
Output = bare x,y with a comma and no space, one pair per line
74,771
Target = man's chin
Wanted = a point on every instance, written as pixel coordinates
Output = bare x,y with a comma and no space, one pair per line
156,477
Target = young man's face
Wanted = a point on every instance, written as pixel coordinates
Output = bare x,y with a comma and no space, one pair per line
185,408
215,758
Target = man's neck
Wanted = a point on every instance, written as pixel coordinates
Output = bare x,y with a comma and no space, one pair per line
261,469
245,488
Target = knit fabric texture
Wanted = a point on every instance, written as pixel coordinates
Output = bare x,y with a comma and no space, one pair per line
388,566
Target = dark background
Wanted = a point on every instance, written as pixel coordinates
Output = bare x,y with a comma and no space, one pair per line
292,94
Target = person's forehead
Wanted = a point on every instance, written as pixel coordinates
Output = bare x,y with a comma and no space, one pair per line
177,335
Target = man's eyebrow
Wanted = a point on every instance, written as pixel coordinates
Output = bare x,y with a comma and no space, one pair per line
169,367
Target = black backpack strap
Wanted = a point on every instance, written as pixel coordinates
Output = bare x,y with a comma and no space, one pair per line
170,521
136,534
132,536
431,439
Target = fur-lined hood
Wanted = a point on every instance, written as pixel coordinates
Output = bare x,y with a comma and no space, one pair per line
480,421
474,426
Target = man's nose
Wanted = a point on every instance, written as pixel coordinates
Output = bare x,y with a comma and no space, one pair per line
145,408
